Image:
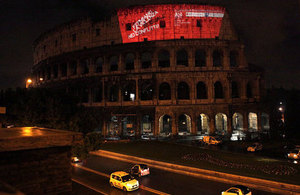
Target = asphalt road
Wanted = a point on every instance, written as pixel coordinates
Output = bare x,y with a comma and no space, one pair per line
95,171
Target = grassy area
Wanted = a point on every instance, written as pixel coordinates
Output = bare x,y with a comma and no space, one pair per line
173,153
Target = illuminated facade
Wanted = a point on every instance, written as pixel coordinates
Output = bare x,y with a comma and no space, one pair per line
161,70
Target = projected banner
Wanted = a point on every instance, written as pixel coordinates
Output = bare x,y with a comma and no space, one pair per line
163,22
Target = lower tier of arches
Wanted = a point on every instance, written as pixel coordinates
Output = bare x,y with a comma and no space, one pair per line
185,120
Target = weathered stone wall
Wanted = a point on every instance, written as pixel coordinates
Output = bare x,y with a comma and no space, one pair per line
38,171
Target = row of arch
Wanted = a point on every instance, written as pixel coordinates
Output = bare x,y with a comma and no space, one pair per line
127,124
147,91
83,66
184,123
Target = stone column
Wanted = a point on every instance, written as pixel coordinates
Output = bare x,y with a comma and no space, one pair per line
172,58
191,57
211,124
174,124
209,62
79,68
259,121
137,90
229,123
193,121
137,62
226,61
245,121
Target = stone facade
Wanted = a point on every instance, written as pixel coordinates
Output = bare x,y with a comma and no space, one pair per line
159,87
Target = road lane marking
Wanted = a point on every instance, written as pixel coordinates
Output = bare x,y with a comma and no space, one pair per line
88,186
106,175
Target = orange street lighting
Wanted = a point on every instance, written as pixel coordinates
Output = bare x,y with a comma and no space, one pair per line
28,82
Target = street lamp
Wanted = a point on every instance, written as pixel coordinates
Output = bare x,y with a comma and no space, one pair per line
28,82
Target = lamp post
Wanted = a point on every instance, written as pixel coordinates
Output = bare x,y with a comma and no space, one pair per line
28,82
281,109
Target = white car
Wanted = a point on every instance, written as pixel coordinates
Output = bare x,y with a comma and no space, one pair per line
237,190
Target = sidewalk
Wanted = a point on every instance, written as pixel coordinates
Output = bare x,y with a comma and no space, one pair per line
261,184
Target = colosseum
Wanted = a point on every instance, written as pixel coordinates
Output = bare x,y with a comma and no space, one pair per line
174,69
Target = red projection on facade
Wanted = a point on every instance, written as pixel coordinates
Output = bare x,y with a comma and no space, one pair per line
163,22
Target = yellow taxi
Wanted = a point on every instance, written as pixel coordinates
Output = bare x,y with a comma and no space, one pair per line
124,181
237,190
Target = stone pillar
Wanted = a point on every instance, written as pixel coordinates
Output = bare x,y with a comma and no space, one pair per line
104,127
69,69
245,121
259,121
137,90
194,123
156,124
191,57
243,90
137,62
211,124
121,63
210,89
174,124
173,85
229,123
209,61
226,60
172,58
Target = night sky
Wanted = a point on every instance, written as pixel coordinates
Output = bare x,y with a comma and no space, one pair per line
270,30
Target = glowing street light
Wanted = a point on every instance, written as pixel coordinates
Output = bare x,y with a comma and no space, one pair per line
28,82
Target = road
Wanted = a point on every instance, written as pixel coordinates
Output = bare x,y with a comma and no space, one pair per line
94,174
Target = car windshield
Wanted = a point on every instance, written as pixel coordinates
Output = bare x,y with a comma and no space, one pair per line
294,151
126,178
244,189
143,166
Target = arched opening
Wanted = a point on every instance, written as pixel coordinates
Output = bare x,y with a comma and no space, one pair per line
265,121
48,70
221,124
113,93
165,125
128,126
113,128
55,71
129,91
234,90
184,124
146,125
129,61
201,91
249,90
233,58
217,59
99,64
164,91
164,59
183,91
146,59
218,90
113,63
97,93
146,90
252,121
182,58
237,121
73,68
84,66
203,124
63,69
200,58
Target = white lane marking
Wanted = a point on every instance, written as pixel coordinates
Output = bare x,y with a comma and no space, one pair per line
88,186
106,175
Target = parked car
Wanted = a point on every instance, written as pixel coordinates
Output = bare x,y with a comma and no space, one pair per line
140,170
210,140
237,190
124,181
294,154
255,147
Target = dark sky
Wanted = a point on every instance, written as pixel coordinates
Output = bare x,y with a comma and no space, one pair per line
270,30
